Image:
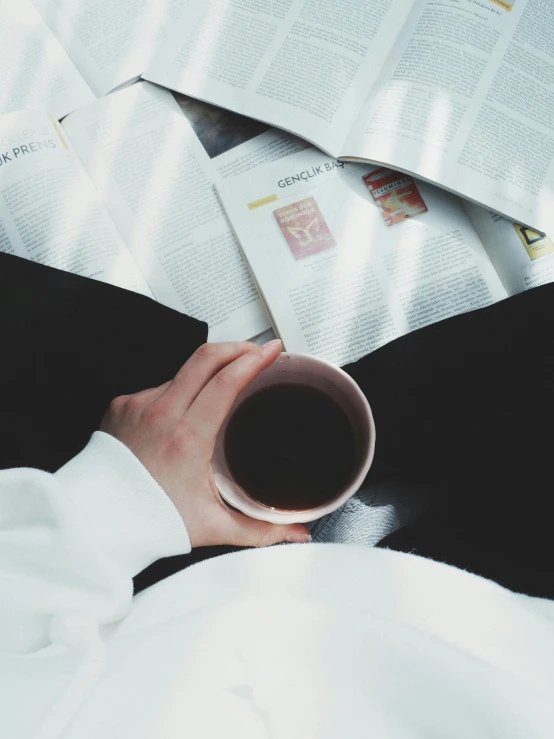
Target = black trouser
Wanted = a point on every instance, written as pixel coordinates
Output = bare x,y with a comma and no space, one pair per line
463,406
466,407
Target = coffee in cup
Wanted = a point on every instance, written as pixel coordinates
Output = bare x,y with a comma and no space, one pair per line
297,443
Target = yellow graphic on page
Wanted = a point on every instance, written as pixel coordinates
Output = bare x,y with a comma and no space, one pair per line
536,243
262,201
504,4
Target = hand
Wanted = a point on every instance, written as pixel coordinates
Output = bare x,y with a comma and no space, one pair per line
172,430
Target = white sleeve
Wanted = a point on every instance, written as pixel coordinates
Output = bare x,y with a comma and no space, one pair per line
74,540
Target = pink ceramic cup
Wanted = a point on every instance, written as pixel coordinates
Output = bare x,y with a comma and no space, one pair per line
301,369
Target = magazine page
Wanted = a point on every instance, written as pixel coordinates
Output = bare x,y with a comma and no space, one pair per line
157,180
110,41
36,70
302,65
466,100
49,210
523,257
268,147
350,256
221,131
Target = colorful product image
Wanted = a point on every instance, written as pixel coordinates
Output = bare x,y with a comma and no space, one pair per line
395,194
536,243
304,228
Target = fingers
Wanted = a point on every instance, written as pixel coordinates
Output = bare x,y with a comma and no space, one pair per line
214,402
239,530
152,393
251,533
196,373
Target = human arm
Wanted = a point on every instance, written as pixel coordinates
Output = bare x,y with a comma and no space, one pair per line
73,541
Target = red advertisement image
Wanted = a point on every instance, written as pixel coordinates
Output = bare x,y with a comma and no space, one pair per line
304,228
395,194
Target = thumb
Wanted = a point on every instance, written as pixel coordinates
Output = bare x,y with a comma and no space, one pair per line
249,532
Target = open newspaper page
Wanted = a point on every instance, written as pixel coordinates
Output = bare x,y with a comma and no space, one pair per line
157,180
349,256
110,41
36,70
302,65
49,210
466,100
523,257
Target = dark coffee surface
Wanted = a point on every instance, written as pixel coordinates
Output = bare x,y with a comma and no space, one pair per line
291,447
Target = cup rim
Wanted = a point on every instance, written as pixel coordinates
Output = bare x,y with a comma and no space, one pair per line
261,512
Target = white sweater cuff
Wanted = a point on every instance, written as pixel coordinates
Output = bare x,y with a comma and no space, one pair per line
135,520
